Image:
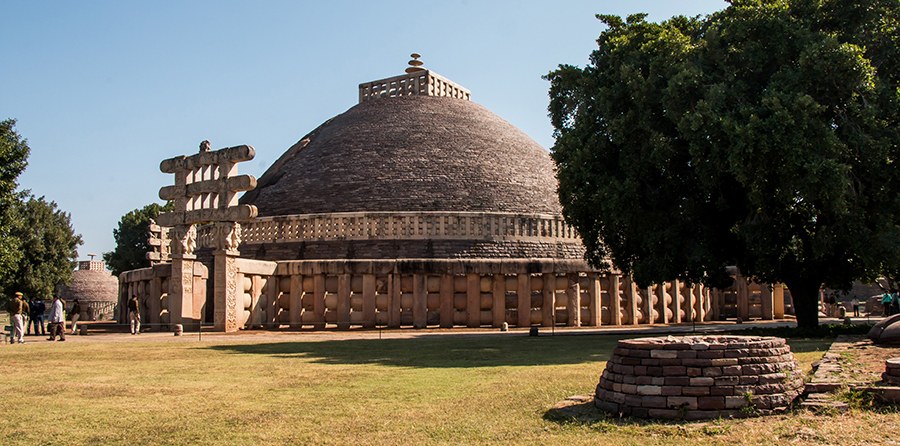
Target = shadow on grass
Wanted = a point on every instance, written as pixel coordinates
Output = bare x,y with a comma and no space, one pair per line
439,352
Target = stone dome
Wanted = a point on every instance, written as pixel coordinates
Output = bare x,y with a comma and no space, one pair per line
410,153
415,170
95,288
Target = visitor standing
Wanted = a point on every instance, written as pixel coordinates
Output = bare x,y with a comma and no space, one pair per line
15,308
886,300
855,303
37,317
831,304
134,315
57,320
895,304
74,314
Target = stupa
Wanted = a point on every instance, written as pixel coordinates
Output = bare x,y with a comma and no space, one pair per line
96,291
415,207
415,170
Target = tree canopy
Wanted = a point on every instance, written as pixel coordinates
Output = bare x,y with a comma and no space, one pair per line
48,248
14,153
763,136
132,238
38,245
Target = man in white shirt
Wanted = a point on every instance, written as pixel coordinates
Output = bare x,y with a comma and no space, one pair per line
57,320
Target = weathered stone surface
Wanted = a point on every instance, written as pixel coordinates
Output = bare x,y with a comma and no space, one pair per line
677,402
649,390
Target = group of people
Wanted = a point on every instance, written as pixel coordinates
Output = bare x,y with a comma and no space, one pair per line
891,304
23,313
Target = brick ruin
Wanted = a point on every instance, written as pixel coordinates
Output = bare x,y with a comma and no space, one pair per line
699,377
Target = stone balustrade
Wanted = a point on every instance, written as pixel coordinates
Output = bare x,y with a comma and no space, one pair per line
423,83
431,293
400,226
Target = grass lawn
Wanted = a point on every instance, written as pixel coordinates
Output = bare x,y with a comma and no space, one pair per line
435,390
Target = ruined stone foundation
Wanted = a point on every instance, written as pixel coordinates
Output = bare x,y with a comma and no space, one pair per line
699,377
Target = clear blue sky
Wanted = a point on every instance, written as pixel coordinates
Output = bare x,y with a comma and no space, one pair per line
105,90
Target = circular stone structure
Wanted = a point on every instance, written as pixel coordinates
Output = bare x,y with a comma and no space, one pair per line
96,290
887,331
699,377
891,373
410,175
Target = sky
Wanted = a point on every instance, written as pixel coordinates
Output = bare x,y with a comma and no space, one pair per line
105,90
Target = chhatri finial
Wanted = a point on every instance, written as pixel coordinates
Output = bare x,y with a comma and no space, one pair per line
415,64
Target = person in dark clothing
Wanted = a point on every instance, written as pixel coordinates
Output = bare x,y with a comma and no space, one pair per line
74,314
134,315
37,317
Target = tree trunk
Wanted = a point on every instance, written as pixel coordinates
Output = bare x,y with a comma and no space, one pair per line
806,302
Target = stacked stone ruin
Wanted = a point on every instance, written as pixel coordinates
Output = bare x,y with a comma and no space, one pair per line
699,377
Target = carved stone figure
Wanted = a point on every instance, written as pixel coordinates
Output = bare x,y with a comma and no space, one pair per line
187,239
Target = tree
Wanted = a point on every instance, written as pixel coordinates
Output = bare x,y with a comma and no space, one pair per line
48,245
13,160
763,136
132,239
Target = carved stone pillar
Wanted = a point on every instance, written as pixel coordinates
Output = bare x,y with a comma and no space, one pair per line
225,294
181,297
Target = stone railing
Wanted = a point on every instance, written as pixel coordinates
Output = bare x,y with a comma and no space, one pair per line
470,293
152,287
423,293
422,83
400,226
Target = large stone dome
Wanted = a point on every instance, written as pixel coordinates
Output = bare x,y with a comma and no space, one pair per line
415,170
410,153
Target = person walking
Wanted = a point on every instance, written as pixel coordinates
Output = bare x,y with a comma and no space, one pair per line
855,303
57,320
14,308
134,315
37,317
74,314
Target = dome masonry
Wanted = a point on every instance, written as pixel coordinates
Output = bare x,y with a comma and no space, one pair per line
415,143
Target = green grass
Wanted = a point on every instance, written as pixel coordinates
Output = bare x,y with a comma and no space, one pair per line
433,390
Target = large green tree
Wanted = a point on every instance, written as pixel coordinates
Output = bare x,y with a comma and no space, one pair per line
763,136
14,153
132,238
48,246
